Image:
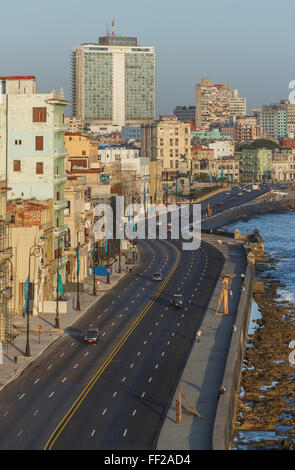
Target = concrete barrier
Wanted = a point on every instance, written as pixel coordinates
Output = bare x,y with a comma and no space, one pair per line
247,211
225,413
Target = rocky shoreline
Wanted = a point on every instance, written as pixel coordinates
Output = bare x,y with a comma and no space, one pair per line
266,404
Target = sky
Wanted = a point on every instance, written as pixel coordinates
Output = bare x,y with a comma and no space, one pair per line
248,44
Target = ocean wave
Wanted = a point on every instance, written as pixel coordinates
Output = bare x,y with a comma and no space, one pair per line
285,295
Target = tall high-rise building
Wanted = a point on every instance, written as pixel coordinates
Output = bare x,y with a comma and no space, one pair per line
212,103
273,121
238,105
113,82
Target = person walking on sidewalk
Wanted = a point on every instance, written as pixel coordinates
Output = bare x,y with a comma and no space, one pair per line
199,332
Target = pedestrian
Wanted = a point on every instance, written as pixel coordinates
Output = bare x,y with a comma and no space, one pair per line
199,332
234,328
231,293
243,286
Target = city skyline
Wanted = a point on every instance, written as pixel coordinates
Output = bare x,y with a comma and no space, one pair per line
216,47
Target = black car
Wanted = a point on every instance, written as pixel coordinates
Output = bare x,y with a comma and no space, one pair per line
177,301
92,336
157,277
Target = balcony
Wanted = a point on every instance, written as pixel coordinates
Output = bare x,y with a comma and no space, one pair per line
60,127
60,153
60,179
62,204
57,231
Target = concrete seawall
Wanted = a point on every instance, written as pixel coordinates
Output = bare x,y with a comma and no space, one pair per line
246,211
225,414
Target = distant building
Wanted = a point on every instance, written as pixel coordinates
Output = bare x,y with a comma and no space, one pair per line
222,148
185,114
113,82
131,133
212,103
74,124
283,162
273,121
238,105
168,141
256,164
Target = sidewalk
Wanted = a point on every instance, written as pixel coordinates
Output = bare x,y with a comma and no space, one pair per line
10,369
204,370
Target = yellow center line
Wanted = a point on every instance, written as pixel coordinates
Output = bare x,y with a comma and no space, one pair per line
60,427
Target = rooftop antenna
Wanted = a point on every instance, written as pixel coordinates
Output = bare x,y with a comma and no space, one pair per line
108,32
113,27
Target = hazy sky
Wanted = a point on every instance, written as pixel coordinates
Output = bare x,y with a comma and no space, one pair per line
249,44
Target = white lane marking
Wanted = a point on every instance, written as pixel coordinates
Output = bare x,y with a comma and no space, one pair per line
20,432
49,367
104,411
124,378
5,414
63,380
172,334
150,379
145,342
143,394
114,394
86,354
178,324
150,333
133,414
132,301
62,354
36,412
99,316
156,366
126,309
113,323
168,342
72,344
93,432
22,396
125,432
113,301
75,366
105,310
90,324
138,353
103,333
36,381
131,365
163,354
51,395
157,323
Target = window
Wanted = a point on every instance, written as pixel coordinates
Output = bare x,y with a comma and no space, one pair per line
16,165
39,142
83,152
17,142
39,168
39,114
57,196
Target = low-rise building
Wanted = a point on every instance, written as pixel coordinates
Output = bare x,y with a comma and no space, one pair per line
256,164
283,163
222,148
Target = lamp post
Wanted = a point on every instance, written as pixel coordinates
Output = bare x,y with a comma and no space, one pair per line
78,308
36,251
57,325
93,265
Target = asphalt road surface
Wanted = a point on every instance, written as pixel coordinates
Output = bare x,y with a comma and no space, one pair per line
113,395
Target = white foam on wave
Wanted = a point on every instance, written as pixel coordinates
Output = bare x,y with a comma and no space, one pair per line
285,295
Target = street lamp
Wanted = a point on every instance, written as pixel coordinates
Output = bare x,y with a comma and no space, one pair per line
36,251
57,325
93,264
78,308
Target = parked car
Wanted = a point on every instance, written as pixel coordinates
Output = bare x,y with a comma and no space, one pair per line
92,336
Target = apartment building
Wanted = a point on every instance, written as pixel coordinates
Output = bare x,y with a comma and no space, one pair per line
238,105
32,151
283,163
256,164
167,140
212,103
273,121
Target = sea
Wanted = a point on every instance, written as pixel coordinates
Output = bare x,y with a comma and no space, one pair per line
278,231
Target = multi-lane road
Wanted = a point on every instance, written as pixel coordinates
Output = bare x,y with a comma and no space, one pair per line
113,395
